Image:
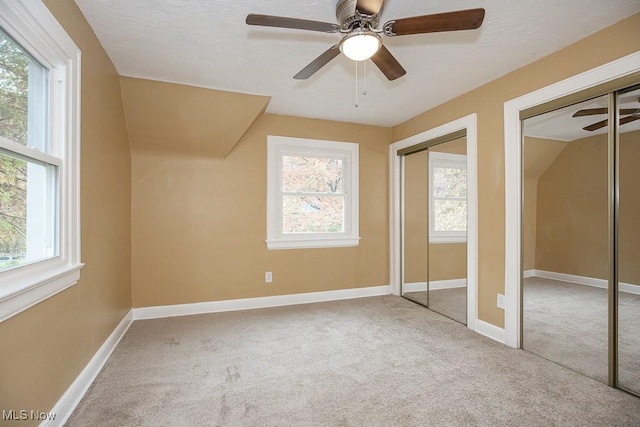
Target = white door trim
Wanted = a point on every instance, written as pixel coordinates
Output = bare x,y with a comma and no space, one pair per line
395,213
513,172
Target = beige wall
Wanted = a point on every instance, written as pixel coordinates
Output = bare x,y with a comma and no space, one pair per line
572,210
43,349
488,102
199,223
443,261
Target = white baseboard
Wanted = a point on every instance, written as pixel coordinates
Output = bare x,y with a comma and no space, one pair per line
491,331
70,399
529,273
252,303
434,285
582,280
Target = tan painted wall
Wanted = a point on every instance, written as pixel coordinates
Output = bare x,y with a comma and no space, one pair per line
443,261
199,224
488,102
572,210
43,349
538,155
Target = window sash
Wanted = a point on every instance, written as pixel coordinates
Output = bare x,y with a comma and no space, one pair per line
35,29
320,154
278,147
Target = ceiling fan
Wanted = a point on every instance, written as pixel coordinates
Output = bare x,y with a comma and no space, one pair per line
632,114
358,20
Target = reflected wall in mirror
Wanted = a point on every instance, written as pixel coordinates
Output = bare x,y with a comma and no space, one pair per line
416,227
629,242
565,238
434,227
447,273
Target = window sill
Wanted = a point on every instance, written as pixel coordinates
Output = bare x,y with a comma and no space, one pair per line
24,289
441,240
313,243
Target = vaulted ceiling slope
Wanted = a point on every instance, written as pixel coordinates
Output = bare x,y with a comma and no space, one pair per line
185,120
208,44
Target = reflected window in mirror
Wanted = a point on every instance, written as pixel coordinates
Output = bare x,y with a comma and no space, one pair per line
447,198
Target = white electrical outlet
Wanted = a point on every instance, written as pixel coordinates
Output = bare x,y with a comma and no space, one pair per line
268,277
501,301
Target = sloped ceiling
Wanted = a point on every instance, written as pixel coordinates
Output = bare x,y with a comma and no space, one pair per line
186,120
207,44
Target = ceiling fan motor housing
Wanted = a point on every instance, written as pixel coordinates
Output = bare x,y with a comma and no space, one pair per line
347,15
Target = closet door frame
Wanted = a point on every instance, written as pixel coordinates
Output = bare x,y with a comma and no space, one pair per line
609,79
415,143
612,76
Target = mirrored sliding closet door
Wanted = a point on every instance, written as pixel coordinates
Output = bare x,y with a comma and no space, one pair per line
435,228
629,240
581,237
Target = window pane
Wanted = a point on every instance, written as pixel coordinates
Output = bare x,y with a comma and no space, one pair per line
312,214
450,182
27,211
23,96
311,174
450,215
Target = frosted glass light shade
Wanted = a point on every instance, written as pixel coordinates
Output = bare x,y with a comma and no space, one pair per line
360,46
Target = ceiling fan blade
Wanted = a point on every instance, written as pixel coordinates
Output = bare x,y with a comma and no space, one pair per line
590,112
369,7
600,125
318,63
596,126
449,21
294,23
594,111
389,65
625,120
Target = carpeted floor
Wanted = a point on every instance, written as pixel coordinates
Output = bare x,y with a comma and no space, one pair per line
567,323
448,302
381,361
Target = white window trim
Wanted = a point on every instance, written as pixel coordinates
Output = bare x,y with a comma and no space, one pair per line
437,159
277,146
33,26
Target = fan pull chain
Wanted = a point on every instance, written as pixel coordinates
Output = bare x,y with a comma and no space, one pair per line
364,92
356,84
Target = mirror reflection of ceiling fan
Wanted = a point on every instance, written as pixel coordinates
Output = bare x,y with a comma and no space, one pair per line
632,114
358,21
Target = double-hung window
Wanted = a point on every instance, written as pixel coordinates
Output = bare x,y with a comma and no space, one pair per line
39,156
447,197
312,193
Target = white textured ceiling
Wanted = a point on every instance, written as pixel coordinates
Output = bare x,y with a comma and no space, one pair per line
207,43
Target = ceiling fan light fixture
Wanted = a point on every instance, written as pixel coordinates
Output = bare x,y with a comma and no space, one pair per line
360,45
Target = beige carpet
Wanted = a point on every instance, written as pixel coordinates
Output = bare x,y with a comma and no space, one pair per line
381,361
